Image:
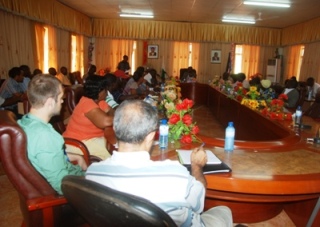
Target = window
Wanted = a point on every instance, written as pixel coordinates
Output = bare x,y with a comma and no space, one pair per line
133,61
46,47
238,59
45,50
190,54
77,58
301,53
247,59
73,53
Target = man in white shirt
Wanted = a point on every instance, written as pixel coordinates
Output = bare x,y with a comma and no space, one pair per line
167,183
315,87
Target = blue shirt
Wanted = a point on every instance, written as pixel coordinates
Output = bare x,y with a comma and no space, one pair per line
10,87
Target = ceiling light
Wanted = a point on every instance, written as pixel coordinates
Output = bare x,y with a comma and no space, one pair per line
135,15
270,4
239,21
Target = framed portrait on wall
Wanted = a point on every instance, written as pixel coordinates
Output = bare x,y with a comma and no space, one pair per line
153,51
216,56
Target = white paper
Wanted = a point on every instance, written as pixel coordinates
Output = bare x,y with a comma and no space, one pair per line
185,156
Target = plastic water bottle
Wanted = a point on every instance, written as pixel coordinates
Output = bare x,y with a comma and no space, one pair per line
298,115
229,138
162,86
163,134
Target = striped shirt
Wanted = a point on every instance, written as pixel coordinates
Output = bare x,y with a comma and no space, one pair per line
165,183
110,101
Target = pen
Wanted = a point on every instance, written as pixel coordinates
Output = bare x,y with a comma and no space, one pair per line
202,145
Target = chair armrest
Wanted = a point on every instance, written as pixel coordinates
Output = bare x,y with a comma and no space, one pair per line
81,146
110,138
45,202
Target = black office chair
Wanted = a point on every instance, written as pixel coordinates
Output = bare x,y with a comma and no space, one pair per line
102,206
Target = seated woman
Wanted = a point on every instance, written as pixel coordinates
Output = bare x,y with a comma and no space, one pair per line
266,90
151,78
90,117
132,86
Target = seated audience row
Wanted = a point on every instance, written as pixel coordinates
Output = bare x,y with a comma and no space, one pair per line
135,123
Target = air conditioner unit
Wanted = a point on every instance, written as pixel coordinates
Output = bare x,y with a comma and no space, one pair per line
274,70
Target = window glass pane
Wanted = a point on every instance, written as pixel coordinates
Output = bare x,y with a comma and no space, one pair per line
238,59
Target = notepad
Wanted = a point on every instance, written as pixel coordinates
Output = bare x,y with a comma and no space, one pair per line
213,165
184,156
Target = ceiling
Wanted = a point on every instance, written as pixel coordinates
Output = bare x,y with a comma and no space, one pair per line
201,11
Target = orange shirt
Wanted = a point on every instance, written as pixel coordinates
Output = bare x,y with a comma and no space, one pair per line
121,74
79,126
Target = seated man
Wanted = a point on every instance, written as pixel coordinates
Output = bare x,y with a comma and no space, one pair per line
292,93
189,75
167,183
313,86
63,76
45,144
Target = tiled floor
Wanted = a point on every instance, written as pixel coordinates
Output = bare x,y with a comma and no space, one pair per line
10,213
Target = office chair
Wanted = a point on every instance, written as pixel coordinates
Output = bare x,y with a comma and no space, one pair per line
73,96
40,205
102,206
314,110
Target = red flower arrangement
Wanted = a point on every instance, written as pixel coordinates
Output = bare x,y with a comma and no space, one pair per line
275,109
239,92
181,126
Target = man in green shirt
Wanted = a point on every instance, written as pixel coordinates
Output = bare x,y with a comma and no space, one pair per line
45,145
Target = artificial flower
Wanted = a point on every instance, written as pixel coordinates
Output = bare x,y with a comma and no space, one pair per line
186,139
174,118
179,114
187,119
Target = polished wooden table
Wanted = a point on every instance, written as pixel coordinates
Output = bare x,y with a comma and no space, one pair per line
273,166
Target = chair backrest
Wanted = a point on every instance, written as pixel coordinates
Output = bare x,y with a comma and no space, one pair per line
13,152
40,205
314,110
73,96
26,180
182,71
102,206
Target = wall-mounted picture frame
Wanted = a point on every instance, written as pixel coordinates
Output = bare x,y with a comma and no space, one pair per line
153,51
215,56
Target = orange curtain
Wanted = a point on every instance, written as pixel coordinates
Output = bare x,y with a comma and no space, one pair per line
310,66
180,57
63,49
40,31
250,59
52,49
292,61
109,52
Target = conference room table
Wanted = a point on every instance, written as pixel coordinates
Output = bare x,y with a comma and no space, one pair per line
275,165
